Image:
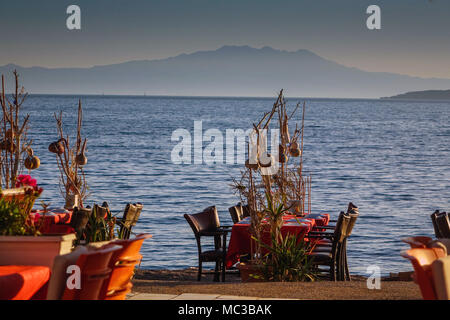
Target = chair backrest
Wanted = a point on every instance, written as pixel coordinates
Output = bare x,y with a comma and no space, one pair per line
341,226
442,243
245,210
94,271
441,277
353,213
122,264
131,215
435,226
59,274
417,242
207,220
421,259
101,211
236,213
80,218
443,225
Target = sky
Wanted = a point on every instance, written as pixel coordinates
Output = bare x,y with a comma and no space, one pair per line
414,38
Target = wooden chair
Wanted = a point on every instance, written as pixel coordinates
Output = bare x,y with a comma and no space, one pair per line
207,224
94,271
421,259
130,217
122,264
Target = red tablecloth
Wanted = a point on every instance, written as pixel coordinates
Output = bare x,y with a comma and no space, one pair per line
240,240
22,282
55,221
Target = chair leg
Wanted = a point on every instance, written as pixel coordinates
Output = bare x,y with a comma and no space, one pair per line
340,263
223,270
333,270
216,272
347,271
199,275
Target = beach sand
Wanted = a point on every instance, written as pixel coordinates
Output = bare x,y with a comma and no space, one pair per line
184,281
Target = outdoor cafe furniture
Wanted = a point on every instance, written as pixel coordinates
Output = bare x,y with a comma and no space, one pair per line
106,274
331,247
130,217
236,213
207,224
427,242
441,224
240,241
54,221
122,264
23,282
431,271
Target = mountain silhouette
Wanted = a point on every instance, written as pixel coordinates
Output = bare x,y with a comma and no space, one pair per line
227,71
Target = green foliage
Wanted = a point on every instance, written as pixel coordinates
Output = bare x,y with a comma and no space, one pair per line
100,228
14,220
288,260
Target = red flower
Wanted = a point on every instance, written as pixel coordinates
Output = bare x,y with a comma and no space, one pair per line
25,180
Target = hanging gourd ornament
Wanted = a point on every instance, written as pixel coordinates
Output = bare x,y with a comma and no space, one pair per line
294,150
81,158
32,162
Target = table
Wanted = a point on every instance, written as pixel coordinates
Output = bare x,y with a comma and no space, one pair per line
55,221
22,282
240,240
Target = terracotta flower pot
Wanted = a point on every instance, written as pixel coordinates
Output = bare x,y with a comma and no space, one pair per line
34,251
251,272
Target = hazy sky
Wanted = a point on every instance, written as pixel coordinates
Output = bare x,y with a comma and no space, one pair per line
414,39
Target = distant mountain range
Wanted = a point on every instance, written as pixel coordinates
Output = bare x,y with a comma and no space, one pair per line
423,95
228,71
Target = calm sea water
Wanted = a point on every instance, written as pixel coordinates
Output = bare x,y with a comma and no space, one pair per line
392,159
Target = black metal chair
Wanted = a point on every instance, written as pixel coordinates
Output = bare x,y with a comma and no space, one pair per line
245,210
443,225
435,226
354,214
130,217
79,220
236,213
331,249
207,224
330,255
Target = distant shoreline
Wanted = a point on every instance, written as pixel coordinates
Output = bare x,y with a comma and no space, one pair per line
427,95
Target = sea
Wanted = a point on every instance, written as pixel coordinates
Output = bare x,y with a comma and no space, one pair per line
391,158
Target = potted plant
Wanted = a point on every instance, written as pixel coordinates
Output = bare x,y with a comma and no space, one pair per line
99,228
21,242
269,194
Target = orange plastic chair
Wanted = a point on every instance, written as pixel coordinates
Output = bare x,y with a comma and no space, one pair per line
122,264
421,259
417,242
94,267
